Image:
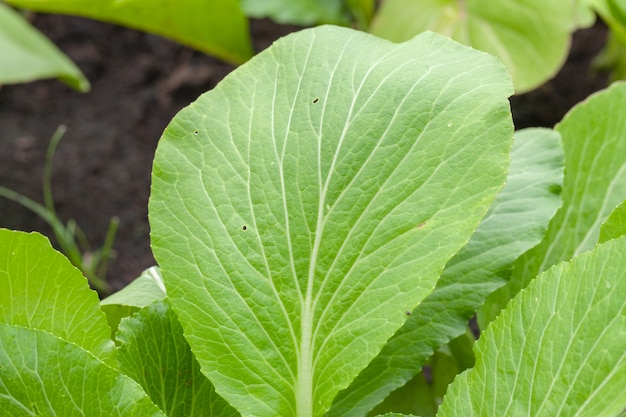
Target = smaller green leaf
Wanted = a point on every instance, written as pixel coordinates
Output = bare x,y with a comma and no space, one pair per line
45,375
557,349
615,225
154,352
41,289
141,292
27,55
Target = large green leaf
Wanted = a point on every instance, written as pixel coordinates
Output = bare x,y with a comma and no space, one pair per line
557,349
216,27
43,375
300,208
154,352
41,289
594,140
516,222
27,55
531,37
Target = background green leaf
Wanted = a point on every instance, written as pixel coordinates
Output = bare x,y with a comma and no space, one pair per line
300,208
216,27
27,55
154,352
516,221
531,37
42,374
557,349
40,289
298,12
594,140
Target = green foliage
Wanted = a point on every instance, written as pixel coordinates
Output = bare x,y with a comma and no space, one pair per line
154,352
216,27
27,55
516,221
613,56
531,37
330,210
595,183
558,349
326,220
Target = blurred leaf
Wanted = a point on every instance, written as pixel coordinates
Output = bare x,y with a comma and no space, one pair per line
297,12
215,27
530,37
27,55
363,11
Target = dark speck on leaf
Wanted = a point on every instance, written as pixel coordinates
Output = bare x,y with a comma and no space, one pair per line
408,313
556,189
195,132
244,228
315,100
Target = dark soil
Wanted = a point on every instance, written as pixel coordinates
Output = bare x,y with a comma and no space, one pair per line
139,81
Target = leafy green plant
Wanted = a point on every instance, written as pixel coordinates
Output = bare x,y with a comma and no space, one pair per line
217,27
91,262
27,55
613,56
530,37
327,218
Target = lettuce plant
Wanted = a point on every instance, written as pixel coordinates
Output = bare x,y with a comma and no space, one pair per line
325,219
